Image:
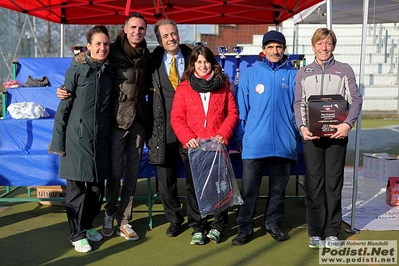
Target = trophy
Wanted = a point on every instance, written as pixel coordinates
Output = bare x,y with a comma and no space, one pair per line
237,50
200,43
222,50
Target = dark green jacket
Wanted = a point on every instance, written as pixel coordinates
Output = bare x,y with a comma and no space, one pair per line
81,123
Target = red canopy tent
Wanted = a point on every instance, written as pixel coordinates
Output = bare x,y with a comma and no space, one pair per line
182,11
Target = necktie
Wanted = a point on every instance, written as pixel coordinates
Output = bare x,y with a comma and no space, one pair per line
173,74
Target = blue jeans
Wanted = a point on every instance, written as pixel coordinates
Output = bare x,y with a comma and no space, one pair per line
279,174
126,147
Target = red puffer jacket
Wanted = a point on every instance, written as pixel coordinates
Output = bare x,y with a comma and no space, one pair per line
188,117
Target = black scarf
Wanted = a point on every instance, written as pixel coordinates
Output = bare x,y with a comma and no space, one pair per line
203,85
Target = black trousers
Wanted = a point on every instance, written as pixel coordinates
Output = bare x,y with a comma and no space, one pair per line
167,184
325,163
195,221
83,204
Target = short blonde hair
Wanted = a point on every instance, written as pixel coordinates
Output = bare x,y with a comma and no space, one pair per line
323,33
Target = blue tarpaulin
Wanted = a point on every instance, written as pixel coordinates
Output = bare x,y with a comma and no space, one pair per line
24,160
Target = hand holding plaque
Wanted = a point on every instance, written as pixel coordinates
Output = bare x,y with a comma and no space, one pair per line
326,110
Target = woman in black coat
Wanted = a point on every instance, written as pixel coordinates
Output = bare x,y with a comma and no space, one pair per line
80,137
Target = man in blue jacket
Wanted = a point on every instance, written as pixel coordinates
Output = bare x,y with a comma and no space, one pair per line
267,134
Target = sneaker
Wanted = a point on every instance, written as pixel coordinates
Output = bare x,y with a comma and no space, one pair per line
333,242
127,232
315,242
198,239
241,238
108,225
214,235
276,234
82,245
93,235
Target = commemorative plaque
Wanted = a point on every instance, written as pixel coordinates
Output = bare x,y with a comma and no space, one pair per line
326,110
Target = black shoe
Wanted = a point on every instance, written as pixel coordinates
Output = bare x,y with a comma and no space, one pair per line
241,239
173,230
276,234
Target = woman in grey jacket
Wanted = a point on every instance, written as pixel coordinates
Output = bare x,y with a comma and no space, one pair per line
80,137
325,156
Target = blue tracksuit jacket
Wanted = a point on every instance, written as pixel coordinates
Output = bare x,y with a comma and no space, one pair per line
265,99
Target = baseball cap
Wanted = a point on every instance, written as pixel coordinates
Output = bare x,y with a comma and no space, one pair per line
273,36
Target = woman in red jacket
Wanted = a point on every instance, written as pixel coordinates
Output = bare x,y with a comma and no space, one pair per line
203,108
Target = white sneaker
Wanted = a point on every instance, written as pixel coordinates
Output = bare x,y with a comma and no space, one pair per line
315,242
82,245
127,232
198,239
333,242
93,235
214,235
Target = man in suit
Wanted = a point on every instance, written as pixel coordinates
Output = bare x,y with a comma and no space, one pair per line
163,144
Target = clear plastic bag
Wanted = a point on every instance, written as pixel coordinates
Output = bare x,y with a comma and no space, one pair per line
213,176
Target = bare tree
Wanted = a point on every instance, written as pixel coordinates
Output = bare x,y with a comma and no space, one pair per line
23,37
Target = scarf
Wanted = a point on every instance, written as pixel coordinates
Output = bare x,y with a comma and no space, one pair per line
274,65
205,85
134,53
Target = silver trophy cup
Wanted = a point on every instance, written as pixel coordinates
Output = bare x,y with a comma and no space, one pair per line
238,50
222,50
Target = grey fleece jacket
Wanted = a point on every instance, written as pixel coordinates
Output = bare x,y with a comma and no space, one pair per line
331,77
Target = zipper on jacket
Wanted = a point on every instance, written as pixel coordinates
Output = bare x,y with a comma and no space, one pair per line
205,104
322,78
97,97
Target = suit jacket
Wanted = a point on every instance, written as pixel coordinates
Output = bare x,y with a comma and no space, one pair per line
160,99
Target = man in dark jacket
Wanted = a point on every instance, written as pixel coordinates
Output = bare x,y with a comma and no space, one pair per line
163,144
130,59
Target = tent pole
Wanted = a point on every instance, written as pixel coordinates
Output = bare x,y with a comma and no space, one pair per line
35,36
397,80
329,14
295,40
62,40
353,230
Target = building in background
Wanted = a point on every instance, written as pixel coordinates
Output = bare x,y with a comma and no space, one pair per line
381,75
